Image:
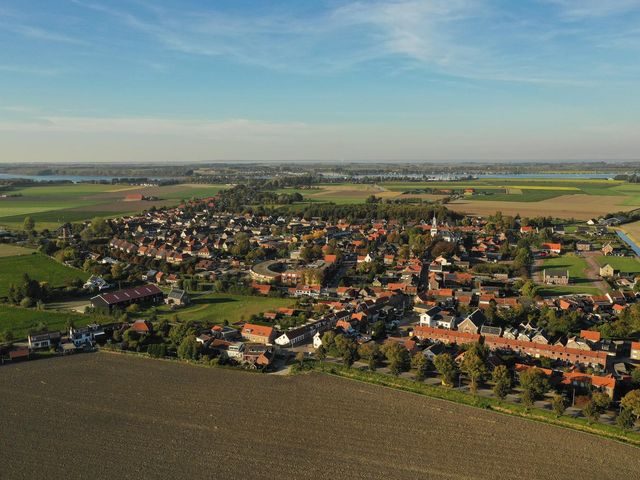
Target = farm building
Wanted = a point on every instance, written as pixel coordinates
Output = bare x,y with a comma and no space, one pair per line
122,298
608,271
556,276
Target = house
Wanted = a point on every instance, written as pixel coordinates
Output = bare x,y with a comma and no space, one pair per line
429,317
85,336
96,282
142,326
258,333
607,249
552,247
134,197
43,340
583,246
472,323
122,298
608,271
635,350
445,335
555,276
177,297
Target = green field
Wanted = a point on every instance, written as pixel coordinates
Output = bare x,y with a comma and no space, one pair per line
624,264
218,307
19,321
39,267
52,205
555,290
576,265
10,250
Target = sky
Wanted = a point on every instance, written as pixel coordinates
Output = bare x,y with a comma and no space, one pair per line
334,80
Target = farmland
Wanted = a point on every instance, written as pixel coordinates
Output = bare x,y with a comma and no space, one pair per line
217,307
580,199
39,267
53,205
205,413
19,321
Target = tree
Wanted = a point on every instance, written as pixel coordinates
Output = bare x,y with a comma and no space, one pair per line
378,331
188,348
397,356
28,225
558,404
300,358
534,384
632,401
474,366
635,375
601,401
346,349
625,419
446,367
321,353
370,351
590,411
501,381
421,365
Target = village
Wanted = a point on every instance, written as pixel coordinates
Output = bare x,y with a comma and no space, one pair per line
400,296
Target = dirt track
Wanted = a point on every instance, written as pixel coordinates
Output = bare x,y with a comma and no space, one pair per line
106,416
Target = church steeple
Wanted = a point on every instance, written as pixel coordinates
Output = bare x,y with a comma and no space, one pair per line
434,225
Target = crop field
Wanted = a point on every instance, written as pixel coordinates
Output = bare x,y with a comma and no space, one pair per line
11,250
624,264
218,307
19,321
632,230
39,267
53,205
565,198
259,427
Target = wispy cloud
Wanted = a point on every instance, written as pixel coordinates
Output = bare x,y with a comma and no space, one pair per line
443,36
29,70
580,9
38,33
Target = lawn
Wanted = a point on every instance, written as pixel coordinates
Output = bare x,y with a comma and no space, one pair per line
624,264
218,307
576,265
39,267
19,321
11,250
554,290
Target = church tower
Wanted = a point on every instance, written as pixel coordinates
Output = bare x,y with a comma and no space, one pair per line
434,226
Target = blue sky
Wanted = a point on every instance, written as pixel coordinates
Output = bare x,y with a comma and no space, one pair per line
195,80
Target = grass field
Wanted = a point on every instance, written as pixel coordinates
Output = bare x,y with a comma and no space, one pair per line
189,415
218,307
632,230
19,321
39,267
11,250
53,205
624,264
577,266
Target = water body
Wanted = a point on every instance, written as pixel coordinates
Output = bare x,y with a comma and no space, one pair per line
560,176
65,178
625,238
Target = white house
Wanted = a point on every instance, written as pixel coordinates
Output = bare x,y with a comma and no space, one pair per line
429,317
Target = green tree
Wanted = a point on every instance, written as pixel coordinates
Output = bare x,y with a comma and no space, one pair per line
300,358
501,381
631,401
534,384
446,367
378,330
625,419
558,404
473,365
397,357
188,348
590,411
421,364
28,225
321,353
601,401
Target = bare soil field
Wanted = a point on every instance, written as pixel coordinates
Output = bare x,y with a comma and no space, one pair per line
578,206
109,416
632,230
